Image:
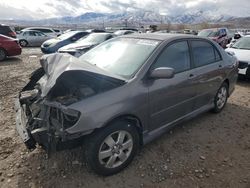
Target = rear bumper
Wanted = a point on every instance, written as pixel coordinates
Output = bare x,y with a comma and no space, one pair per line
244,68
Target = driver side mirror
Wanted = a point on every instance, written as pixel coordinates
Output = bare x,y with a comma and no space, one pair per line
162,73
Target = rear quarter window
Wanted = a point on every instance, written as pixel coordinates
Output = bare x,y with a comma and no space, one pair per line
45,30
204,53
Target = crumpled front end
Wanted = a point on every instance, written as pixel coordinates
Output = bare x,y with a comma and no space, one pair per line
42,122
43,107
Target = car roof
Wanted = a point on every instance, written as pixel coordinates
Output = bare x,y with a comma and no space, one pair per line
160,36
37,28
31,30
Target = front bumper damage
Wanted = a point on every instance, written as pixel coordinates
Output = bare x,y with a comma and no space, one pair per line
42,122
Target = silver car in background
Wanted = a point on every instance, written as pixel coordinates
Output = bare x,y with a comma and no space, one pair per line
32,38
122,94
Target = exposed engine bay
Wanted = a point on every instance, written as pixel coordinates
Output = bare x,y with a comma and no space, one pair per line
43,112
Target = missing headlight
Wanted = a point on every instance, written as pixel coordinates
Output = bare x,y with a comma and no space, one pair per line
63,118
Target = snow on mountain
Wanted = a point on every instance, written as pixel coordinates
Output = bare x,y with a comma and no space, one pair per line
140,17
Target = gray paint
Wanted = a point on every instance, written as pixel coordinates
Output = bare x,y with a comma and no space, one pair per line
158,104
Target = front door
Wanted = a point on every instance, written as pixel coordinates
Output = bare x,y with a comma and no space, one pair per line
171,99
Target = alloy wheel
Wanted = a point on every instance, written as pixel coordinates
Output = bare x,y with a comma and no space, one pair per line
115,149
221,97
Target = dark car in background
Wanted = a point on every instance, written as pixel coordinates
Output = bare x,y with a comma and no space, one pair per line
124,32
122,94
219,35
52,45
7,31
9,47
83,45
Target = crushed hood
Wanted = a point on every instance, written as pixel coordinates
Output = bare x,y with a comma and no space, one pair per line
56,64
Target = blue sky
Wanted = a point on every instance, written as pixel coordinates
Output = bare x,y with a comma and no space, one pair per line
40,9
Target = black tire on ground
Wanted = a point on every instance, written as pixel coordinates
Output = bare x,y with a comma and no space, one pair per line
3,54
23,43
220,98
97,145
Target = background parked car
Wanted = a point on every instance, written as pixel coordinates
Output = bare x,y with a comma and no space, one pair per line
96,31
86,43
9,47
52,45
219,35
7,31
58,31
47,31
235,38
32,38
123,32
241,49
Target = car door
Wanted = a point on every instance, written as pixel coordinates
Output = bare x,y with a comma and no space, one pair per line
40,38
171,99
207,66
31,38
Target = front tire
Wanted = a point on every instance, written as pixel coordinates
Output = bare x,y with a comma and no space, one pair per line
221,97
111,149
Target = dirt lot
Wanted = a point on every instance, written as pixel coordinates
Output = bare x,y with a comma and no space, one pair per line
212,150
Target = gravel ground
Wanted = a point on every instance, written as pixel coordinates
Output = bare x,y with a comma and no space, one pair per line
212,150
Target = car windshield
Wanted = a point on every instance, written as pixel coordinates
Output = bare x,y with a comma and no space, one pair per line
93,38
67,35
209,33
121,56
243,43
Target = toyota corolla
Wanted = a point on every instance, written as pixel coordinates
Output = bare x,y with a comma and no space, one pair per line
122,94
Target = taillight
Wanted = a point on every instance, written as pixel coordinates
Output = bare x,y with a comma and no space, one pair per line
12,34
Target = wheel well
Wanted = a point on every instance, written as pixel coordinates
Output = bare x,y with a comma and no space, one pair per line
24,40
133,120
227,82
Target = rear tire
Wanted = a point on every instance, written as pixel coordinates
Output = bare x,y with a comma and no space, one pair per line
221,97
111,149
23,43
3,54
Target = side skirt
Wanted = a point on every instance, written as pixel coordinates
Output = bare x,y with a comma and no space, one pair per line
149,136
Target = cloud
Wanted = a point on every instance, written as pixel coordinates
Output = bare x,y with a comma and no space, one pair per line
27,9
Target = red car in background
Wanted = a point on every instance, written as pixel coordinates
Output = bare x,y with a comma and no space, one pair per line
9,47
219,35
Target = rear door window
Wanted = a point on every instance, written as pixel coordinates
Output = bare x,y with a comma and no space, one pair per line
45,30
204,53
175,56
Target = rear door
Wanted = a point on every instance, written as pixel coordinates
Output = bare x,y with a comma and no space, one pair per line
171,99
207,66
30,37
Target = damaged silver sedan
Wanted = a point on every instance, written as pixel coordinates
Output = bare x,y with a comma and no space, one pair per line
122,94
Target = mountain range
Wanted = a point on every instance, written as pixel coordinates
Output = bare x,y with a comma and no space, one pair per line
136,18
